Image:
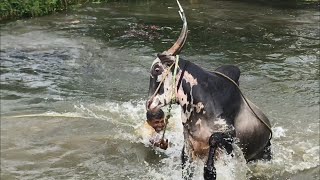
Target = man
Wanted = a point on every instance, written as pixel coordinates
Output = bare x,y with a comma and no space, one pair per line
157,122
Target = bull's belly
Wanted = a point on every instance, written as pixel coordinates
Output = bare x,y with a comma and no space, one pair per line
199,149
198,136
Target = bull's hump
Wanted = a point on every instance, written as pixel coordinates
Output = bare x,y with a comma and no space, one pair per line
231,71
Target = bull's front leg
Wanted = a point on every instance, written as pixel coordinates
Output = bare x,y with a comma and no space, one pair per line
216,140
186,157
187,166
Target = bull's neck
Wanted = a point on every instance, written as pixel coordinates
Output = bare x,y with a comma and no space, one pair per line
190,97
193,92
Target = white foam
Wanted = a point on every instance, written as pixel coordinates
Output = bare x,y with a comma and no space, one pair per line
279,132
291,154
54,114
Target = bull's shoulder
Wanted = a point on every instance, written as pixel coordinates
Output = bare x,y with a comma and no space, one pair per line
231,71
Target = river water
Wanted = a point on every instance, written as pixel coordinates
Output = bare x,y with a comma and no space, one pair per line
73,87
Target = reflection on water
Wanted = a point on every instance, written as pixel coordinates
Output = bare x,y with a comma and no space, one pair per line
73,88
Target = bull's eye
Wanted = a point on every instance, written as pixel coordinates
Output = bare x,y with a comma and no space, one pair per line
156,70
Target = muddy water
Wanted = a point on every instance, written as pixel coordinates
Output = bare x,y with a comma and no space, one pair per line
73,88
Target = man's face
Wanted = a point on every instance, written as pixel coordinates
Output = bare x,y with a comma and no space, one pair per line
157,124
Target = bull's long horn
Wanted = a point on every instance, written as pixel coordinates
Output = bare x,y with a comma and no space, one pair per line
178,45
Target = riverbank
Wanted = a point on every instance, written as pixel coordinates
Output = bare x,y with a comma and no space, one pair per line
14,9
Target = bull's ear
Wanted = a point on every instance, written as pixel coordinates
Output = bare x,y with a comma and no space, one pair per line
166,59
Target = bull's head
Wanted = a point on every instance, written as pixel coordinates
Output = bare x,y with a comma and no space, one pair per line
161,72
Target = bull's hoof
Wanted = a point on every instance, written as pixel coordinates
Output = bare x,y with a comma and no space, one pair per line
209,173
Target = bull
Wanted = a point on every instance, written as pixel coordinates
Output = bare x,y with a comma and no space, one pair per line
214,112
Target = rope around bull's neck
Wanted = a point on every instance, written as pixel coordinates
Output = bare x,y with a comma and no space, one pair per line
174,93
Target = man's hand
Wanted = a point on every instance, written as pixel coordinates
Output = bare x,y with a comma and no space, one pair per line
162,143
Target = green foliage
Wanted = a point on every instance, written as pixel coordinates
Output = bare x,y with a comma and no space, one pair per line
10,9
32,8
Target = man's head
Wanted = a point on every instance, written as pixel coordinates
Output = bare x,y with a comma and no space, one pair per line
156,120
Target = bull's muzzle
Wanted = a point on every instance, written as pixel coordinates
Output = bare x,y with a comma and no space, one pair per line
152,104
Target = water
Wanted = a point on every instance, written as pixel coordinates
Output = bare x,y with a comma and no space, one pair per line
73,87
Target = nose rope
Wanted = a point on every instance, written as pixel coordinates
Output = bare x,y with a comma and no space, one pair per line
174,88
174,93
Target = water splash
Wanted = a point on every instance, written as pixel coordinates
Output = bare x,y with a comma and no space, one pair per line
290,156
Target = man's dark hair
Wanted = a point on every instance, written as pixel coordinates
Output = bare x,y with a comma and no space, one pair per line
157,115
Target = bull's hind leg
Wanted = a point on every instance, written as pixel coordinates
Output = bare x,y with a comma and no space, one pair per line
266,154
217,140
187,167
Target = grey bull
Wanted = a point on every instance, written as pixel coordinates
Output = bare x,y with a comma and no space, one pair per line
214,114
